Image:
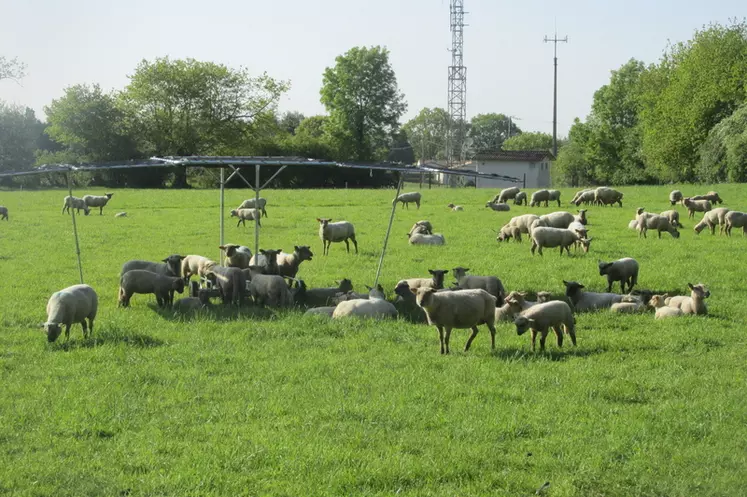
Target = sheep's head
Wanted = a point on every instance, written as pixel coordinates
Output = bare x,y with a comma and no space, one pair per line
459,272
402,289
345,285
700,227
234,212
699,290
178,285
657,301
604,267
639,211
304,252
543,297
424,296
438,277
504,235
174,262
52,330
674,232
376,293
109,195
323,222
523,324
230,249
572,287
586,243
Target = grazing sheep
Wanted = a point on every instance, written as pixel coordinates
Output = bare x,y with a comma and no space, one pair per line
73,304
423,227
543,237
559,219
584,196
553,196
231,282
580,230
250,204
120,214
694,304
318,297
268,289
406,198
340,231
628,307
461,309
435,281
99,201
538,197
607,196
507,232
76,203
407,305
421,239
374,307
247,215
455,207
143,281
195,264
694,206
524,222
655,222
675,196
267,260
662,310
288,263
581,217
490,284
703,224
236,255
498,207
521,198
3,213
624,270
735,219
716,217
673,217
711,196
589,301
541,317
506,194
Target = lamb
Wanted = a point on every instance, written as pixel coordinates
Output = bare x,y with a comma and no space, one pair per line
583,196
656,222
735,219
436,281
559,219
321,311
607,196
589,301
188,305
675,196
499,207
673,217
541,317
407,305
195,264
515,304
268,289
581,217
99,201
73,304
490,284
120,214
406,198
508,231
553,196
421,239
250,204
247,215
694,304
340,231
236,255
556,237
461,309
288,264
538,197
633,225
662,310
710,196
76,203
624,270
711,219
317,297
3,213
169,266
506,194
231,282
628,307
143,281
521,198
455,207
423,227
374,307
694,206
267,260
524,222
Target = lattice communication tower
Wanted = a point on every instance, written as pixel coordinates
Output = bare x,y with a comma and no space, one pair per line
457,92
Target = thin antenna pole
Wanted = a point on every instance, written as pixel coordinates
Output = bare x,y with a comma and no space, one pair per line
555,41
257,212
75,228
222,204
388,230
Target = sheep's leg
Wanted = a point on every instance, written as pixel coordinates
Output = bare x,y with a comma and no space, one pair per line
347,245
539,249
534,246
418,204
85,328
471,337
534,338
558,334
447,335
492,335
258,223
90,326
441,338
67,332
237,224
101,211
543,337
659,232
609,285
355,242
571,333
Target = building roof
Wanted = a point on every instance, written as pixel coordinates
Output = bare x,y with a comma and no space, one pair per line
514,155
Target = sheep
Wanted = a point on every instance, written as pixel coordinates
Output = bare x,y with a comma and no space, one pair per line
73,304
268,289
710,196
506,194
711,219
541,317
523,222
557,237
247,215
407,305
735,219
340,231
490,284
170,266
553,196
498,207
76,203
538,197
588,301
423,227
321,311
188,304
581,217
421,239
694,206
435,281
558,219
250,204
694,304
521,198
406,198
461,309
583,196
580,230
607,196
144,281
655,222
195,264
673,217
455,207
236,255
267,260
515,303
120,214
624,270
317,297
662,310
3,213
288,263
628,307
675,196
374,307
99,201
633,225
231,282
508,231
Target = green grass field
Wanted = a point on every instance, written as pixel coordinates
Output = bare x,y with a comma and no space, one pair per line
288,405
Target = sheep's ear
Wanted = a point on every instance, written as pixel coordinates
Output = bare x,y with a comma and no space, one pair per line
222,247
369,287
279,250
566,283
295,247
690,286
665,296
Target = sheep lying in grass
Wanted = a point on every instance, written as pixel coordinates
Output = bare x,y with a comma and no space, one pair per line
231,282
455,207
3,213
341,231
318,297
421,239
628,307
461,309
120,214
424,227
250,204
543,237
506,194
374,307
589,301
541,317
321,311
735,219
694,206
288,264
624,270
75,203
435,281
245,215
73,304
490,284
507,232
407,305
99,201
694,304
662,310
268,289
656,222
675,196
406,198
711,196
144,282
584,196
607,196
499,207
521,198
538,197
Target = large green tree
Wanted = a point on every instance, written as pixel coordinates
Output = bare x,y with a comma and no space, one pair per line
529,141
20,137
724,153
364,104
489,131
426,133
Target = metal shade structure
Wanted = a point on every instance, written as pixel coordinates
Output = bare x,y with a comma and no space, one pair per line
233,163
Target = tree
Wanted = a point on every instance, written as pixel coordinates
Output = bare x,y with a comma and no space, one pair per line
290,121
489,131
529,141
361,95
12,69
724,153
427,133
20,132
188,107
400,149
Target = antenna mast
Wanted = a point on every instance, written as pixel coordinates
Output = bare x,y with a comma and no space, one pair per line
555,41
457,91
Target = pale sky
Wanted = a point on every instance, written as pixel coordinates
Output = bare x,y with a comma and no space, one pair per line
509,68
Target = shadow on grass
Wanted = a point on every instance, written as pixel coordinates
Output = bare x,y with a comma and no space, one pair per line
217,312
107,336
551,353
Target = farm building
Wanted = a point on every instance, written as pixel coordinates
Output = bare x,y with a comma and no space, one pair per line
535,164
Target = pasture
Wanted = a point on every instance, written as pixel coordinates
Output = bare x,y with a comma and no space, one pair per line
285,405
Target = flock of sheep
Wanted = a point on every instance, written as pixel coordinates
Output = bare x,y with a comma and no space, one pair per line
269,278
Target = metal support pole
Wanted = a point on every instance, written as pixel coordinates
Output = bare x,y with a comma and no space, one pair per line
388,230
222,204
256,206
525,180
75,228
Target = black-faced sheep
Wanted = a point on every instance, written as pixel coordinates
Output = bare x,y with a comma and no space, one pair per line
624,270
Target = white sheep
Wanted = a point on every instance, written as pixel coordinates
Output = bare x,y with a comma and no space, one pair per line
589,301
524,222
735,219
694,304
460,309
658,302
435,281
143,281
521,198
236,256
73,304
583,196
673,217
558,219
506,194
288,264
655,222
267,260
99,201
3,213
268,289
341,231
423,227
406,198
694,206
455,207
490,284
538,197
76,203
250,204
374,307
195,264
541,317
711,196
516,303
624,270
247,215
633,225
607,196
628,307
554,196
509,231
581,217
544,237
675,196
421,239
